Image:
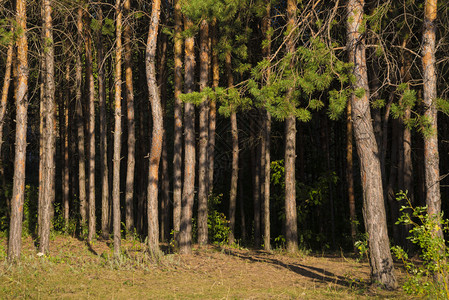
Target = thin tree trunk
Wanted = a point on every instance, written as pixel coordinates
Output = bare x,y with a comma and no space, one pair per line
129,91
242,208
80,121
90,134
213,107
65,144
291,225
177,139
431,155
18,192
255,167
4,95
49,138
185,236
382,269
204,136
350,175
104,170
158,123
117,131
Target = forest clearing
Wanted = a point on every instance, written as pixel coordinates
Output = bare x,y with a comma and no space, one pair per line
75,271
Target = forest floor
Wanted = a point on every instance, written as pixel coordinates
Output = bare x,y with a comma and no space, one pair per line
74,270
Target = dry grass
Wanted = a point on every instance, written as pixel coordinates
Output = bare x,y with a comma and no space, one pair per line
75,270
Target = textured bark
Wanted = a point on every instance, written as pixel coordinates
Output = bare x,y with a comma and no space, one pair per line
177,131
156,139
235,154
46,190
350,175
291,226
129,92
381,263
117,130
80,120
104,170
204,136
65,143
90,133
431,155
185,235
213,107
21,97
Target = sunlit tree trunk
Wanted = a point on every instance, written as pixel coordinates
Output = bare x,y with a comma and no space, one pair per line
117,131
204,136
185,235
156,139
21,97
291,226
177,110
381,263
129,92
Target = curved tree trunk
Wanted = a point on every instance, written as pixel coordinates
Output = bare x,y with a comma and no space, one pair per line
177,139
129,92
185,235
156,139
204,136
382,270
117,131
21,97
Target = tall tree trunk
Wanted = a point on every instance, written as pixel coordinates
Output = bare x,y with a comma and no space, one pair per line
350,175
255,167
49,138
104,170
65,143
80,119
158,123
213,107
129,194
266,51
431,155
4,95
235,154
177,131
382,270
291,225
204,136
90,132
21,96
117,130
185,235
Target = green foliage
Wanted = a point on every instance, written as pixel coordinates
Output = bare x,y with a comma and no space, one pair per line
6,34
108,27
217,223
362,246
442,105
431,277
59,224
30,207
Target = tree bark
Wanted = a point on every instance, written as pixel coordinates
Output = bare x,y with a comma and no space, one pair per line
90,133
104,170
65,143
156,139
117,130
129,91
185,236
204,136
177,131
21,97
291,226
49,129
4,95
350,175
213,107
381,263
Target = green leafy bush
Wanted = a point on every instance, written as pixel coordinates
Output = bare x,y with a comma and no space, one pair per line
217,223
431,277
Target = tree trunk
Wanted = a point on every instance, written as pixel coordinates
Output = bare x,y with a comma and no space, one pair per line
291,226
65,143
185,236
431,155
49,127
350,175
18,192
104,170
4,95
203,134
177,139
156,139
80,120
90,133
213,107
382,270
117,131
255,167
129,92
